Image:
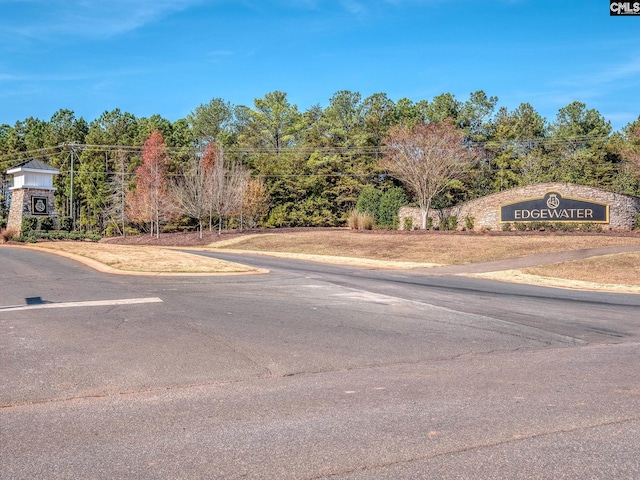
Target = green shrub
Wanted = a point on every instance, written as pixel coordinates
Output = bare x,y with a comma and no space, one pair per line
46,223
506,227
539,226
469,222
520,226
408,223
589,227
636,224
65,223
35,235
26,238
29,224
449,223
369,201
390,202
586,226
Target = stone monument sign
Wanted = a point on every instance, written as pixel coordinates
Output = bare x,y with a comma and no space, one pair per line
551,203
32,192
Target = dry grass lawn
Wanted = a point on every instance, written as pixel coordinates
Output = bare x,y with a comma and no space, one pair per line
623,268
441,249
144,258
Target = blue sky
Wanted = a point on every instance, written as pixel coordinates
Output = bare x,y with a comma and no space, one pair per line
169,56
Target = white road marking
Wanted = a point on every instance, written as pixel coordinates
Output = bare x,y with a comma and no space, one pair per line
369,297
93,303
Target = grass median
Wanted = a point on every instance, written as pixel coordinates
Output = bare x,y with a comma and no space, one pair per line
143,259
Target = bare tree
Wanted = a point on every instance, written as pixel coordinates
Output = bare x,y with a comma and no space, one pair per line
191,193
426,158
228,180
116,212
211,185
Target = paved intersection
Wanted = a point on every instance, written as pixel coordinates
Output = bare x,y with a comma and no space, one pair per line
312,371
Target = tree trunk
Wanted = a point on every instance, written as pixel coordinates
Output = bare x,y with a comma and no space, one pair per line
424,211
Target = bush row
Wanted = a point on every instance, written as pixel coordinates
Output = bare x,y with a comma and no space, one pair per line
552,227
35,235
445,223
32,223
36,228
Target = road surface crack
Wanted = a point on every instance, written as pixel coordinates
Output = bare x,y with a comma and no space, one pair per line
420,458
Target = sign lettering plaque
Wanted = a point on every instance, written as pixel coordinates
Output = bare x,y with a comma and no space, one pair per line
39,206
553,207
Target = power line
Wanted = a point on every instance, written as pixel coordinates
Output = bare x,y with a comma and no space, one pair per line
9,160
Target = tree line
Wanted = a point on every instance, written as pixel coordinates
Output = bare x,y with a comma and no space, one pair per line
286,167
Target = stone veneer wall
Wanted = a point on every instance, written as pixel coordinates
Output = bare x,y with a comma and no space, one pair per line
21,206
486,210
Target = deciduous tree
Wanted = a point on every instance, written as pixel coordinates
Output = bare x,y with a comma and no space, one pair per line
229,182
426,158
191,192
226,181
255,202
116,210
149,201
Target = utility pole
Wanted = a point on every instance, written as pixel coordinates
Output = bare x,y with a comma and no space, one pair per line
72,208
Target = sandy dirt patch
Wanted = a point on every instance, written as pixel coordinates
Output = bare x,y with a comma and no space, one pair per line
618,273
622,268
517,276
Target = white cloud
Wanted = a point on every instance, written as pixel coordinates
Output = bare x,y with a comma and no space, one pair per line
36,77
93,18
352,6
618,72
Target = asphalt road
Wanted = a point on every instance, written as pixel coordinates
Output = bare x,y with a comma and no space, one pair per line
311,371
